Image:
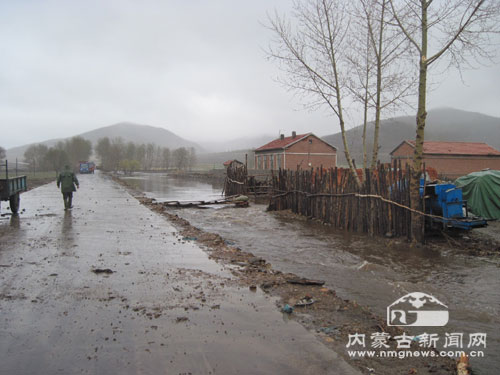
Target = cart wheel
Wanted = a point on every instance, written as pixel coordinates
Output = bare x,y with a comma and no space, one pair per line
14,203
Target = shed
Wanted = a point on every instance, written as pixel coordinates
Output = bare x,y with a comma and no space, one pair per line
228,162
451,159
301,151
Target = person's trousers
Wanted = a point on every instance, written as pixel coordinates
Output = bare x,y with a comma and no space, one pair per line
68,198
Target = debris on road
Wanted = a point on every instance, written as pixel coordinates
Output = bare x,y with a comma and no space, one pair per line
329,330
102,270
463,365
303,281
306,301
256,261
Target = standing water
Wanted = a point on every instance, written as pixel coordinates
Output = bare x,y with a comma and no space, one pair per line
372,271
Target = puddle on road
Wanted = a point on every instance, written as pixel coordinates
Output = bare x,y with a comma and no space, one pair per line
374,272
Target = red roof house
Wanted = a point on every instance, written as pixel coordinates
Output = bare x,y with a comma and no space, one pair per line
452,159
301,151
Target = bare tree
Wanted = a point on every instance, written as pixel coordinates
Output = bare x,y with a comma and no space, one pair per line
111,152
150,156
56,158
181,158
361,79
165,158
130,151
116,152
78,149
312,55
35,156
103,151
454,32
140,155
192,158
386,82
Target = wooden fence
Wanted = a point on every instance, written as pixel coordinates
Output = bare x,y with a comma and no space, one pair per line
235,182
378,207
239,181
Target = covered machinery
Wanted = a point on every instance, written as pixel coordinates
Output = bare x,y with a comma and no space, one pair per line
445,202
482,191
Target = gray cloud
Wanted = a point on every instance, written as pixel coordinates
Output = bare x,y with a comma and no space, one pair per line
194,67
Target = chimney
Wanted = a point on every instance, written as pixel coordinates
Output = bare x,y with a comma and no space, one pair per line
294,134
282,137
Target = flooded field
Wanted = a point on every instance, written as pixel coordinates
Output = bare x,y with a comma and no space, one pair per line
163,188
373,272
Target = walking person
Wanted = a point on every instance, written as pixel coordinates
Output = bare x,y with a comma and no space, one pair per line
67,180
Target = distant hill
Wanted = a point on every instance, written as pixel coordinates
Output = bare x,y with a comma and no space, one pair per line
244,143
128,132
216,159
443,124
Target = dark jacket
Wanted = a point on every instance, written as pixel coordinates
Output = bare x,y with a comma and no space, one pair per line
67,180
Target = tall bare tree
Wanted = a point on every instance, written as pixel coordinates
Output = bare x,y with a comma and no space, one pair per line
381,81
454,32
311,52
361,79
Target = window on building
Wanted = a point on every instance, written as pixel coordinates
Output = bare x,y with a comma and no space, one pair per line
279,162
259,162
271,162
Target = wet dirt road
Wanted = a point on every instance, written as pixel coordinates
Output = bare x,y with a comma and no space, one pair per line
165,308
374,272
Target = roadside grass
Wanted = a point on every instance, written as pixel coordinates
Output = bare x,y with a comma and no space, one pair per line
34,176
35,179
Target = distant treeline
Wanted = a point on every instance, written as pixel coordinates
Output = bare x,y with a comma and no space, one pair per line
113,154
116,155
43,158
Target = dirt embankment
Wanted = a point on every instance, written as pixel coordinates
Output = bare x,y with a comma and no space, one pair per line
317,308
483,242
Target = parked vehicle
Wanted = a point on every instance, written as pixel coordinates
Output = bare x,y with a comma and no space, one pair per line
11,188
87,167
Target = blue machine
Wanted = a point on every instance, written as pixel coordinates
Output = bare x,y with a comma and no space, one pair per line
446,201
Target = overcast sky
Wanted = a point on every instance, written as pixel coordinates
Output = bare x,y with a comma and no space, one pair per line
194,67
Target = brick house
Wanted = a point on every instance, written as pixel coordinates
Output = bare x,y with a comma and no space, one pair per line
451,159
303,151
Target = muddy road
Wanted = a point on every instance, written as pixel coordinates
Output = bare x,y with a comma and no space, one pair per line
373,272
111,287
